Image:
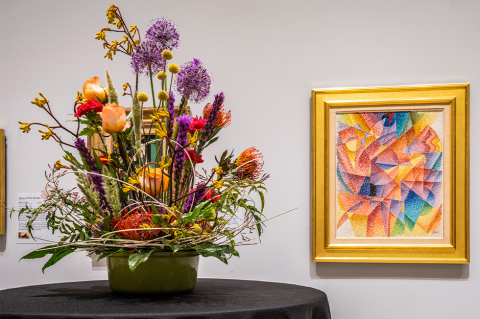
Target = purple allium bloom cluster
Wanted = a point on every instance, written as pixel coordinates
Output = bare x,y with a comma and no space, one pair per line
171,109
165,32
183,127
194,198
148,53
97,180
193,81
212,116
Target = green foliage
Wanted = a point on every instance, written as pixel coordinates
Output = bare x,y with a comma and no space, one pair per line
136,259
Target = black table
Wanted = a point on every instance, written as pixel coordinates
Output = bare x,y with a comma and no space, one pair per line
212,298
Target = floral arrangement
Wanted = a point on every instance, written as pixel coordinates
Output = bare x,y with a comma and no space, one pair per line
129,202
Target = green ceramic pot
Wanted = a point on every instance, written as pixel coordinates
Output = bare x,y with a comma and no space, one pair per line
162,273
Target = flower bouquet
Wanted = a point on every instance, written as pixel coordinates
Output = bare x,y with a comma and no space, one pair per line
147,195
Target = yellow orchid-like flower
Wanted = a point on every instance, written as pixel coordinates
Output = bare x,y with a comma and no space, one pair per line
158,114
58,165
163,164
115,145
132,27
68,158
101,34
160,130
46,134
128,189
108,55
25,126
38,102
113,47
118,24
133,181
193,139
218,170
80,98
111,14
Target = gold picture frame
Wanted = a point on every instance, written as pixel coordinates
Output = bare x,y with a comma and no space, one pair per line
3,179
449,100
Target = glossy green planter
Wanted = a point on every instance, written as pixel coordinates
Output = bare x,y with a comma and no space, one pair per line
162,273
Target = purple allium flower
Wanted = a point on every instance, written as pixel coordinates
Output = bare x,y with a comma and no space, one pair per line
165,32
148,53
193,81
171,109
97,180
194,198
183,127
212,116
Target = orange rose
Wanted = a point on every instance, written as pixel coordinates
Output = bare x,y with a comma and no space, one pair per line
151,181
114,118
92,89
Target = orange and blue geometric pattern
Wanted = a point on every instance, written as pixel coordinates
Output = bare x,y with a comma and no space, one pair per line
389,174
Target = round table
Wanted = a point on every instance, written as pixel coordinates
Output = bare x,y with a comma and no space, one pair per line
211,298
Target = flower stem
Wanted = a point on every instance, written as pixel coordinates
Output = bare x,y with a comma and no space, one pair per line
151,84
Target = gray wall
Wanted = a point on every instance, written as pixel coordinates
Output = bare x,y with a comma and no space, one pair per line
266,56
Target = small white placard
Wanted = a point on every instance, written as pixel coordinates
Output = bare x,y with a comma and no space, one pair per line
32,200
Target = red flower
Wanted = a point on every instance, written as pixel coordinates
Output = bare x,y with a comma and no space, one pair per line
90,105
197,124
193,157
106,160
211,193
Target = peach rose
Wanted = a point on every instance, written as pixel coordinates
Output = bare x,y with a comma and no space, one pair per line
114,118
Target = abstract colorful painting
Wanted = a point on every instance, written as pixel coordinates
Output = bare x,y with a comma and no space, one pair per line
389,174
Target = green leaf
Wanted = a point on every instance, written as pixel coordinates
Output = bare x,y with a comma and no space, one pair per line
42,253
212,250
105,254
97,161
59,254
87,132
136,259
213,140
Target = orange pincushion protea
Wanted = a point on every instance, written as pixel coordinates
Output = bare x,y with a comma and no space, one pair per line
135,220
249,163
223,118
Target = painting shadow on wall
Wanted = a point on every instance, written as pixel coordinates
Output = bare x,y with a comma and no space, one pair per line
388,271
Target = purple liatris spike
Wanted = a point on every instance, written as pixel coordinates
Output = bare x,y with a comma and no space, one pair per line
212,116
193,81
194,198
182,140
96,180
171,109
163,31
148,55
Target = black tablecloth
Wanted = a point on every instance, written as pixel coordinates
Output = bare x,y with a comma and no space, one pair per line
212,298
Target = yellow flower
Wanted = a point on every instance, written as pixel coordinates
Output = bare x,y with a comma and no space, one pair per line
115,145
113,47
174,68
111,14
217,184
163,95
163,164
101,35
132,27
193,139
142,97
108,55
159,114
38,102
46,134
68,158
167,54
218,170
133,181
58,165
25,126
118,24
160,130
161,75
197,229
125,86
128,188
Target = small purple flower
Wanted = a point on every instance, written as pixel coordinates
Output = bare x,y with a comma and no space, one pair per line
179,162
212,116
165,32
194,198
97,180
193,81
148,53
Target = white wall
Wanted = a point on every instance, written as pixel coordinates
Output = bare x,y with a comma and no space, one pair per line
266,56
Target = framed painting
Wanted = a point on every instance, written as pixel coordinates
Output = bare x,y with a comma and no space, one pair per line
3,181
390,174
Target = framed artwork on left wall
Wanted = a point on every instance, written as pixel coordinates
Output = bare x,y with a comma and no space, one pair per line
390,174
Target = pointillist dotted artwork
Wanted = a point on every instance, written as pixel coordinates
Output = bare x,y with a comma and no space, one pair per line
389,174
